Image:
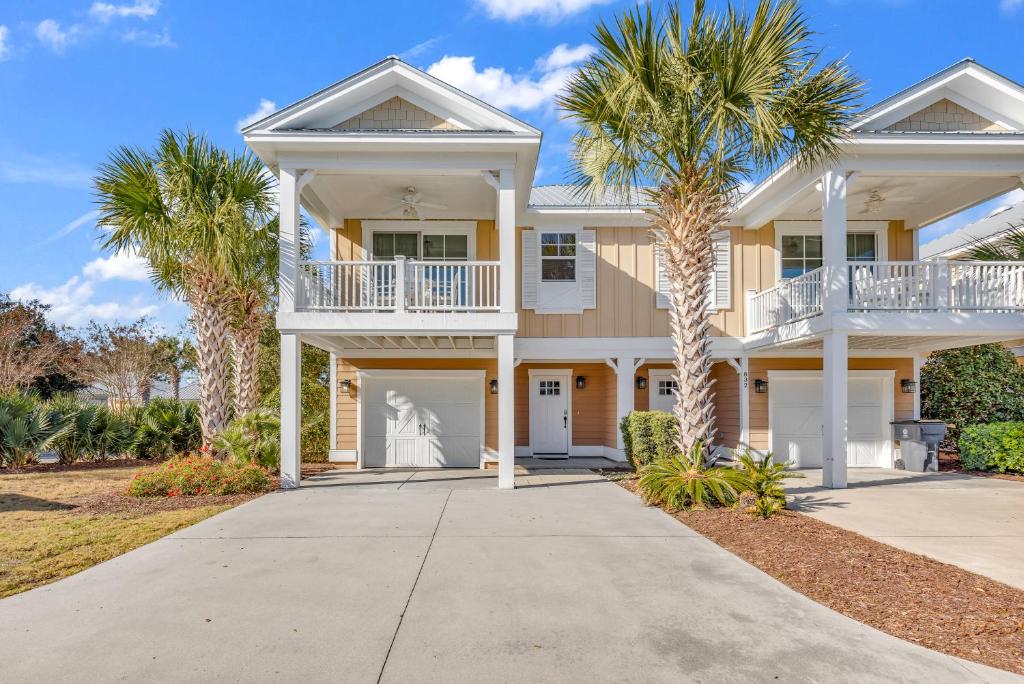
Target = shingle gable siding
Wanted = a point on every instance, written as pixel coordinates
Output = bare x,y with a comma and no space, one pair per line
945,115
395,114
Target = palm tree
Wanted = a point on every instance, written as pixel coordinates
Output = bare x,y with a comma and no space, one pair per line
176,356
1008,247
188,208
684,111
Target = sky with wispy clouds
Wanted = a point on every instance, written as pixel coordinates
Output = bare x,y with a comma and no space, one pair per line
80,77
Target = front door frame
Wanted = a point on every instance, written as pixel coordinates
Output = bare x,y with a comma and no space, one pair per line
888,377
565,375
363,375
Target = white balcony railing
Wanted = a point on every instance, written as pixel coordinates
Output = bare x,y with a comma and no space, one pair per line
400,285
789,301
896,286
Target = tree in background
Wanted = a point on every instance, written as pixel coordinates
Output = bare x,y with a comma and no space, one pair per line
121,359
176,356
190,209
971,386
693,107
34,353
1007,247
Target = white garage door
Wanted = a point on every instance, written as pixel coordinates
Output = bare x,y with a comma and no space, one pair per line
422,422
796,420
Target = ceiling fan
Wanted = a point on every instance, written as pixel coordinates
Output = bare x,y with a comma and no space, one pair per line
875,199
411,202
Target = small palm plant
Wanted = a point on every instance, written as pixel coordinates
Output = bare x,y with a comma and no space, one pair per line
27,428
78,440
763,478
253,437
683,481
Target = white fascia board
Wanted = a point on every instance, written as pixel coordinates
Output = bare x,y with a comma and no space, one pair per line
358,323
577,348
457,162
912,323
590,217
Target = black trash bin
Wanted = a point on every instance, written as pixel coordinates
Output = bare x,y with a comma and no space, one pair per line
919,444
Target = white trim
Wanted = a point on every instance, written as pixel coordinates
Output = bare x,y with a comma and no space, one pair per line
343,456
332,442
570,386
888,404
371,226
600,348
419,374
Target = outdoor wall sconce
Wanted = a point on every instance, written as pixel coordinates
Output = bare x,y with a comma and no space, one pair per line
494,386
761,386
908,386
581,382
641,383
346,386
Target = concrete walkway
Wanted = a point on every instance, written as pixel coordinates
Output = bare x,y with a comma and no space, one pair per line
440,577
974,522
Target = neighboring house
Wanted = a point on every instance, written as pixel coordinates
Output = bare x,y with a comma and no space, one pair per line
957,244
472,317
188,391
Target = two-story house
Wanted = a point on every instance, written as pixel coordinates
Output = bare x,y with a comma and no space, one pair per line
472,318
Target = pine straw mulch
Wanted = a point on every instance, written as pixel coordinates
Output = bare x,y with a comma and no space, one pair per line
912,597
122,505
79,465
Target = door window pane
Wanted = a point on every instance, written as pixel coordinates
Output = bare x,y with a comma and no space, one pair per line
861,247
448,247
407,245
387,246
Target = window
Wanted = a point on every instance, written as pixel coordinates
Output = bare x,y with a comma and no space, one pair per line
860,247
800,254
386,246
667,388
447,247
557,257
550,388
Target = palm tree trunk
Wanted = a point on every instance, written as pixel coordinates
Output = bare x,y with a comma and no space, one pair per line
176,383
683,226
211,324
245,338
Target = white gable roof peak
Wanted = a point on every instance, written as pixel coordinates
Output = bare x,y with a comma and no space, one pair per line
387,79
966,83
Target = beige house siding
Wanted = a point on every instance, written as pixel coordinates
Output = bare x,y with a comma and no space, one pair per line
593,414
945,115
392,114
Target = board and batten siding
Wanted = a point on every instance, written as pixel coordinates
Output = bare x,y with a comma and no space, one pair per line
593,407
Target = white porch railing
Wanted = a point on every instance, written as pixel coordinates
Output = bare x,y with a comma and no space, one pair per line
789,301
400,285
933,286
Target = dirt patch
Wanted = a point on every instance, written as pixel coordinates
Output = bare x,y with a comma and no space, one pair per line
950,463
124,506
311,469
935,605
79,466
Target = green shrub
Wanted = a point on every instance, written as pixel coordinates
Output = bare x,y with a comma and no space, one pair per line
763,477
164,428
972,386
682,481
198,476
27,427
253,438
995,446
316,420
648,436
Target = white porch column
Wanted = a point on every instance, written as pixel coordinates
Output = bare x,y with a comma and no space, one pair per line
291,409
918,360
742,366
834,403
506,224
835,284
506,413
288,241
625,371
332,439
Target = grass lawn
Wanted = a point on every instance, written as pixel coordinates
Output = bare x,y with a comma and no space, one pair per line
54,524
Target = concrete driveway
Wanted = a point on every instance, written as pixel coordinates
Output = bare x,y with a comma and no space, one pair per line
440,577
974,522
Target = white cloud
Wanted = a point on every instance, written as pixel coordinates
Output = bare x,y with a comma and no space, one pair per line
5,49
140,9
1010,5
72,303
34,169
511,10
120,266
50,34
265,109
151,39
503,90
86,218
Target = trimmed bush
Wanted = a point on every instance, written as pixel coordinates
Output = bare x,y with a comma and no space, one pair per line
649,436
995,446
198,476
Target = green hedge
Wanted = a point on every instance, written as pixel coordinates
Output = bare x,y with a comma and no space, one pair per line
648,435
994,446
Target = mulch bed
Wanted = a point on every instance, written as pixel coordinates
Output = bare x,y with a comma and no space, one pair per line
909,596
125,506
80,465
950,463
311,469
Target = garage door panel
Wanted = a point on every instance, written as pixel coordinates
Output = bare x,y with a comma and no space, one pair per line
453,452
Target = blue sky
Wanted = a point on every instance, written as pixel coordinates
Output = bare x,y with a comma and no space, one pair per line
78,78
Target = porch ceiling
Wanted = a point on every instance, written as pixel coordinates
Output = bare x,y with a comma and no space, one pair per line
347,344
919,200
907,343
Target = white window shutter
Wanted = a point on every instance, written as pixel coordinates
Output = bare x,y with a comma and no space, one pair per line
721,280
586,267
662,298
530,273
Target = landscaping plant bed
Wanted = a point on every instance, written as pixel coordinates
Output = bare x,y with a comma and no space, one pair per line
79,465
935,605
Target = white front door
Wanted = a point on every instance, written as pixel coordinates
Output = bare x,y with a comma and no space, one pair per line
422,422
662,387
796,419
549,414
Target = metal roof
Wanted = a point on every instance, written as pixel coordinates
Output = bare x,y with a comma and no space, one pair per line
1000,221
574,196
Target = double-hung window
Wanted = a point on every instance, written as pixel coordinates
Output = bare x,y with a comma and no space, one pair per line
558,257
802,253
